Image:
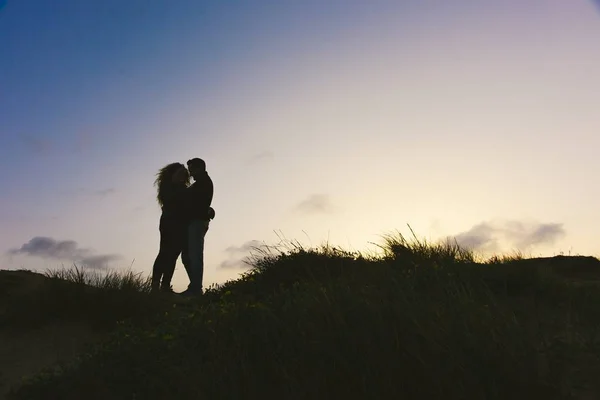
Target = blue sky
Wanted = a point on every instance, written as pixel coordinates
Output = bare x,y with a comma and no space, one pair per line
334,120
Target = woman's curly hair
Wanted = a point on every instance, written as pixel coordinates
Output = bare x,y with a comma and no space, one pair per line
164,180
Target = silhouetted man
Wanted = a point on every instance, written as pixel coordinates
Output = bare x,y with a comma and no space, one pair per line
200,195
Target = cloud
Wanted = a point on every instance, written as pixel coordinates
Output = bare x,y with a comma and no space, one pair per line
316,203
486,236
234,264
37,145
99,261
260,157
49,248
104,192
243,249
82,142
526,235
238,255
479,237
97,192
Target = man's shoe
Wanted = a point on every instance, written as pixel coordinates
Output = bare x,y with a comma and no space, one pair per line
167,289
191,293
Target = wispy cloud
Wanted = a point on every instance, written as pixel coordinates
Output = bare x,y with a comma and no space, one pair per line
486,236
238,255
97,192
263,156
234,264
82,142
526,235
68,250
479,237
37,144
104,192
244,248
316,204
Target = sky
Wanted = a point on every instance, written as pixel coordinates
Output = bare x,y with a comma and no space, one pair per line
320,121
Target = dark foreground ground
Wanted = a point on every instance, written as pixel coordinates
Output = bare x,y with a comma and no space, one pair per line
420,322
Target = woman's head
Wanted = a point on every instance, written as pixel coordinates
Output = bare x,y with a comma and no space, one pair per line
181,176
169,176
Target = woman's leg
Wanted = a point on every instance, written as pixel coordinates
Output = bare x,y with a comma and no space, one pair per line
178,235
157,268
170,247
169,269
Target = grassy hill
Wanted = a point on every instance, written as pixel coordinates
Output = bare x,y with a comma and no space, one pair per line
421,321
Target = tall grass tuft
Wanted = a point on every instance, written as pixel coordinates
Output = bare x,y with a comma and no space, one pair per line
421,321
76,294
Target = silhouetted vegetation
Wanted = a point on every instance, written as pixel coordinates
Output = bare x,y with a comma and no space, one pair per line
419,321
98,298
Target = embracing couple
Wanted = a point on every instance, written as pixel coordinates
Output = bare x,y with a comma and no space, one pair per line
186,214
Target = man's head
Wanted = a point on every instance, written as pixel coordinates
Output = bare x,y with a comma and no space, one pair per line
197,167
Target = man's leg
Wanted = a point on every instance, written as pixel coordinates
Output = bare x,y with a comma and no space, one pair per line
185,256
196,233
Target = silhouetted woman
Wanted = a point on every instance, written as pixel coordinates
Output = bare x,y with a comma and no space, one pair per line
172,182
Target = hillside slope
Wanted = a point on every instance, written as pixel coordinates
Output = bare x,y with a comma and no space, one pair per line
418,322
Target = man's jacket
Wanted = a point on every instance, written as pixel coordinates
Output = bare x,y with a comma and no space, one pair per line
200,195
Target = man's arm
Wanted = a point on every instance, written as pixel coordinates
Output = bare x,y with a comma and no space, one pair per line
200,198
207,195
209,191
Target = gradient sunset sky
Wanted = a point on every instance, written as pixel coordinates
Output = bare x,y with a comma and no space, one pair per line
332,120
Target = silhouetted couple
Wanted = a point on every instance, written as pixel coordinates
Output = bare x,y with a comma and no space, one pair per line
186,215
